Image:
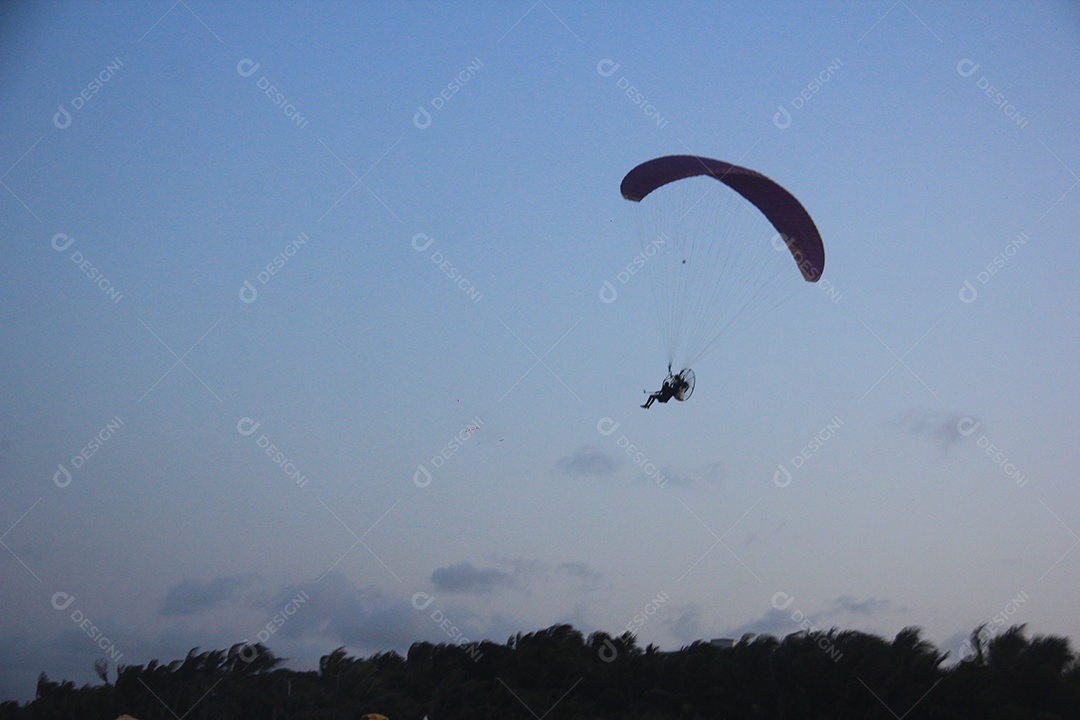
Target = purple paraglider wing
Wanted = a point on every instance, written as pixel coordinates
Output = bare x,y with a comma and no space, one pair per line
780,207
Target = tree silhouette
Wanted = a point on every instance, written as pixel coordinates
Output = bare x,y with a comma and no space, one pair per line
558,673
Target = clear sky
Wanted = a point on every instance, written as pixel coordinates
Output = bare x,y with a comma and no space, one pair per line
896,446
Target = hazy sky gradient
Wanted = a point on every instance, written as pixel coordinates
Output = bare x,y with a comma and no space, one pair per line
179,180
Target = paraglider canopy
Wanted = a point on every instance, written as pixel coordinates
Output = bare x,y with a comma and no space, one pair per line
779,206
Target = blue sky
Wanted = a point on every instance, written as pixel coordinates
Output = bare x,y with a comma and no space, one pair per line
835,462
